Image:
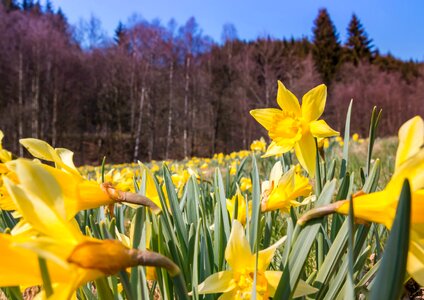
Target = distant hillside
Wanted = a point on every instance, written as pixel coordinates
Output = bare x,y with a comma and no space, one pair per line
156,92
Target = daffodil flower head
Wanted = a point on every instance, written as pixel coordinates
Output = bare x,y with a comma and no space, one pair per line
380,207
237,282
5,155
242,207
258,145
245,184
72,258
281,191
295,126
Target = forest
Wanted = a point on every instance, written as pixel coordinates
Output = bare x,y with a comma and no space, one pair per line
159,91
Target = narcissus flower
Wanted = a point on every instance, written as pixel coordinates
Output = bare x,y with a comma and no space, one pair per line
72,258
245,184
281,191
5,155
258,145
295,126
380,207
241,207
237,283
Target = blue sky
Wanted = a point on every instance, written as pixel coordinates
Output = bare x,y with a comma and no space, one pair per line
395,26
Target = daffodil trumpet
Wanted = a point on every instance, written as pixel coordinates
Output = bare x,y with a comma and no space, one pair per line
84,256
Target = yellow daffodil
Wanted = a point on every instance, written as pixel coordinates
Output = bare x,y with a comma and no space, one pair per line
380,207
281,191
258,145
5,155
294,126
80,194
237,282
411,139
233,168
355,137
241,207
73,259
245,184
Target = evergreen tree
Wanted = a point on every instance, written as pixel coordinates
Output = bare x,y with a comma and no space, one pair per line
119,33
27,5
49,7
326,49
9,5
358,44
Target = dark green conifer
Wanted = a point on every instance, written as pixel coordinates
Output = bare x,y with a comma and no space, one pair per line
326,50
358,44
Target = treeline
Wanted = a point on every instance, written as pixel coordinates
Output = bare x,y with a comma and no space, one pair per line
157,92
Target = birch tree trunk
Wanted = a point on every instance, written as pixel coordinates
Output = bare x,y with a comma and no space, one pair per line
54,117
20,103
35,87
186,115
139,123
169,133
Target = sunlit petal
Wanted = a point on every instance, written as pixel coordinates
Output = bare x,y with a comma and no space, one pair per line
266,116
306,153
286,100
238,253
411,138
313,103
321,129
220,282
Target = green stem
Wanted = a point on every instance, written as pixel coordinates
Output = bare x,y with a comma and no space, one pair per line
47,284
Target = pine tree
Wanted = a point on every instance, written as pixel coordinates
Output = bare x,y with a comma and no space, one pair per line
9,5
119,33
326,50
358,44
49,7
27,5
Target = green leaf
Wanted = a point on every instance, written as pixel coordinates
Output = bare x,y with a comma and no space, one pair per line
389,281
47,284
256,206
220,195
345,156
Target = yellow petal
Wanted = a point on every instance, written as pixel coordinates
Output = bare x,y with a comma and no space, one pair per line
411,138
273,278
302,289
220,282
413,169
17,266
415,264
275,149
237,252
267,116
67,156
305,151
38,213
276,172
286,100
313,103
34,178
40,149
320,129
266,255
